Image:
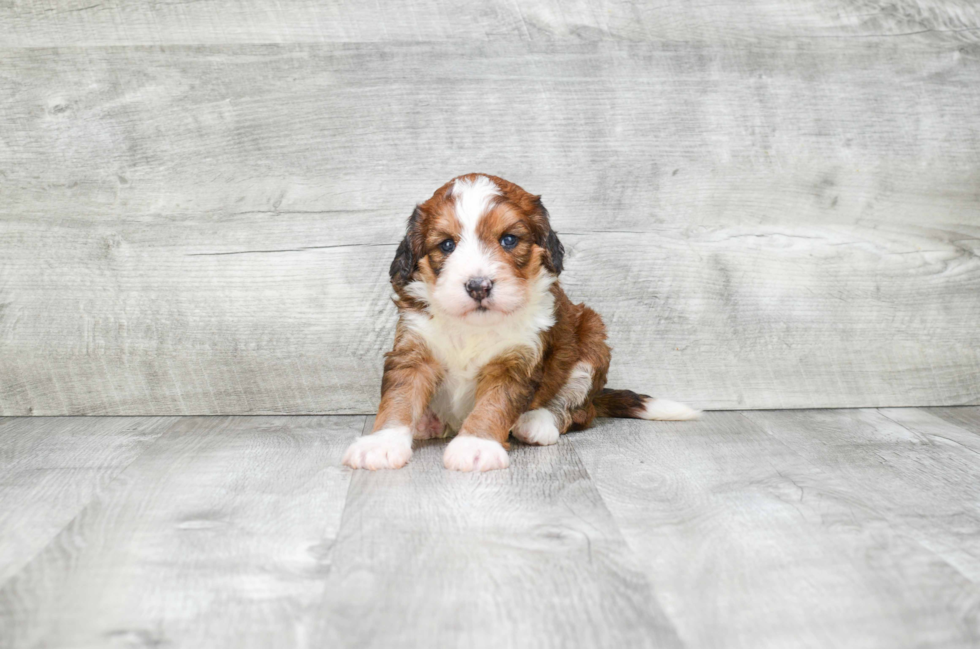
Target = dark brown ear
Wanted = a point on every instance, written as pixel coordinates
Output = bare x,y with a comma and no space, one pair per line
406,260
549,241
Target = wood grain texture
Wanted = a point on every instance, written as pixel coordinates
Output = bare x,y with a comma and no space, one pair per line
762,529
755,133
216,536
968,418
206,230
751,543
527,557
919,471
33,23
50,469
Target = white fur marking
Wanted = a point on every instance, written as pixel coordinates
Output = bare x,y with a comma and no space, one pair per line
389,448
576,389
537,427
667,410
472,200
468,453
471,258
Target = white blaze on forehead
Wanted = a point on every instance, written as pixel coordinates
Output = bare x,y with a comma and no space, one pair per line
472,201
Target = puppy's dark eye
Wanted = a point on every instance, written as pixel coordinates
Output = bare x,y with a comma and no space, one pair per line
508,241
447,246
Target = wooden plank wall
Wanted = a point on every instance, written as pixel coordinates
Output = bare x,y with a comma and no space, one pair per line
774,204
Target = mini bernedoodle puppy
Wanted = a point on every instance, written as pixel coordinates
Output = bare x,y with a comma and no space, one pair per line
487,344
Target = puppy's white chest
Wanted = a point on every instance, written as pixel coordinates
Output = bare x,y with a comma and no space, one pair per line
464,349
463,355
463,352
454,399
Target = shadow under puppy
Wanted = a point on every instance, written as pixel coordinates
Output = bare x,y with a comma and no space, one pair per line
487,344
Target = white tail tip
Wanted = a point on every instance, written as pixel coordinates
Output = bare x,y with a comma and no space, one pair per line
667,410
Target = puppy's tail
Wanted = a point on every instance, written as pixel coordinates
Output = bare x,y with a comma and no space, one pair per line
629,404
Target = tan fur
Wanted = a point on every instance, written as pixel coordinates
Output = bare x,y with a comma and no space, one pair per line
410,377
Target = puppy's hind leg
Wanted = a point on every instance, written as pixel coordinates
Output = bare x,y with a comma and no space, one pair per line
543,426
537,426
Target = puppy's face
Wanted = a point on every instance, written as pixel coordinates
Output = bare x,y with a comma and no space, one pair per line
477,249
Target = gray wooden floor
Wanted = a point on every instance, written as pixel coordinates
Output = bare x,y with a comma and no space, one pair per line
831,528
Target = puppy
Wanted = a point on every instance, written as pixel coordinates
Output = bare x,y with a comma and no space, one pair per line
487,344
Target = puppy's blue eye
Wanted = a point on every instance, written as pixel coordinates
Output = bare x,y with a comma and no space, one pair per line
508,241
447,246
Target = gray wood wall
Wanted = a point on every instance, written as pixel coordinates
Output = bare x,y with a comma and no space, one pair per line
773,203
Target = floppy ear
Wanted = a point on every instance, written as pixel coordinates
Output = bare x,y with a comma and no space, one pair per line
549,241
406,260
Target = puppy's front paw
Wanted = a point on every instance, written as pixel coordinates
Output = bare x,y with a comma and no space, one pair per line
389,448
537,427
468,453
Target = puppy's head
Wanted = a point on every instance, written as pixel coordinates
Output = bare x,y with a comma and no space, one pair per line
477,250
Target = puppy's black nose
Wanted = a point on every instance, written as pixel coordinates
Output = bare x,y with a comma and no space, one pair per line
479,287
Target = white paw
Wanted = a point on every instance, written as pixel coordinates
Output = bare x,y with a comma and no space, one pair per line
428,427
537,427
468,453
389,448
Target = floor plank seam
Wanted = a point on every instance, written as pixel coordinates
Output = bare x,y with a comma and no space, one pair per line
897,524
633,551
107,488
